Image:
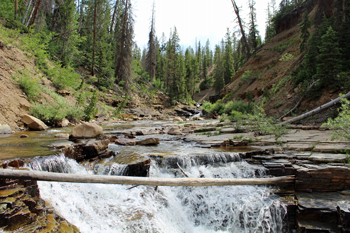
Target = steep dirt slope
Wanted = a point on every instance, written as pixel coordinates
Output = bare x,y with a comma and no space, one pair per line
272,64
13,102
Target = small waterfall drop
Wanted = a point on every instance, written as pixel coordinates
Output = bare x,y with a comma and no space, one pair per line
123,208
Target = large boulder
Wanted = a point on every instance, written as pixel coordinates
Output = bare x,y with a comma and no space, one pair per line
34,123
5,129
125,141
148,142
89,150
86,130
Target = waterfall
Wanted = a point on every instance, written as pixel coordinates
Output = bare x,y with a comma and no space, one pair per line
123,208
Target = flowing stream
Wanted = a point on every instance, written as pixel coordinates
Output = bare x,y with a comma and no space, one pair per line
123,208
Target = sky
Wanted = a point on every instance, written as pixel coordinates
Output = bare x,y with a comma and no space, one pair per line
201,19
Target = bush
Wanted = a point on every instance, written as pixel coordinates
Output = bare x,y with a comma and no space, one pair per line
340,126
238,106
247,76
91,110
30,87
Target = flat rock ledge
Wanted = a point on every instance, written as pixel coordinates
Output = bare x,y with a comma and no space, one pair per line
22,209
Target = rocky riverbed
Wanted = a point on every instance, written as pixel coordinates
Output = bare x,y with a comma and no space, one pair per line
318,201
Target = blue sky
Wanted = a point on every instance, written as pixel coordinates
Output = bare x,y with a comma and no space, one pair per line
201,19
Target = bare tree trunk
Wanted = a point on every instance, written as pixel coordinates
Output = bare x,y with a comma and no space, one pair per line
241,26
317,110
114,13
344,10
31,14
122,40
16,7
26,13
35,12
126,180
94,43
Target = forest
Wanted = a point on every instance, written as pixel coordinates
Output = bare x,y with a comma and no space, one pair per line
92,41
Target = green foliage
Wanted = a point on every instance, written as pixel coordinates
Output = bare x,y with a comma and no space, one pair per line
249,76
91,110
286,57
340,126
121,106
29,86
220,108
304,28
282,46
265,125
280,84
329,57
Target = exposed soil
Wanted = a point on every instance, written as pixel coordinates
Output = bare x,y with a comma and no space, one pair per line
13,102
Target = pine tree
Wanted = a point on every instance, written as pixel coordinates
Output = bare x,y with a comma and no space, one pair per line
329,58
253,31
64,23
124,33
304,28
228,58
151,52
219,82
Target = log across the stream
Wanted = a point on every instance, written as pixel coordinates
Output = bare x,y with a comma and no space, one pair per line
86,178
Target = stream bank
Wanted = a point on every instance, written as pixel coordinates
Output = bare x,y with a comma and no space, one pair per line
319,164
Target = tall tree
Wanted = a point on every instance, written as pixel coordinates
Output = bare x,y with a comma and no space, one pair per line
151,52
253,31
94,40
228,58
240,23
123,52
329,63
219,82
304,29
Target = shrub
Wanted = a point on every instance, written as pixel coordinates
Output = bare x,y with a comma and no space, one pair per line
247,76
30,87
340,126
91,110
238,106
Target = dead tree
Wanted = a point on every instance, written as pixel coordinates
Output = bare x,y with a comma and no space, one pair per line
236,9
114,14
317,110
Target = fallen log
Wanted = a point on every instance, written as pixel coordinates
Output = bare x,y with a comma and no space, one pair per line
127,180
317,110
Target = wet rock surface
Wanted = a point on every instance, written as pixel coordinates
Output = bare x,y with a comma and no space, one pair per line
318,164
22,209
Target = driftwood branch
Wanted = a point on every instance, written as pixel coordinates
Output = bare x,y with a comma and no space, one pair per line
128,180
317,110
183,172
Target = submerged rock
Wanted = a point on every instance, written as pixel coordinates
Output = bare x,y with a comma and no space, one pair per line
148,142
62,135
86,130
34,123
125,141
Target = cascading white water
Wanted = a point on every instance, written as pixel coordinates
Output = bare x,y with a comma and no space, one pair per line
117,208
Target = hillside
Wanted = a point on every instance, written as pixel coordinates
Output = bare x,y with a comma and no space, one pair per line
269,74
